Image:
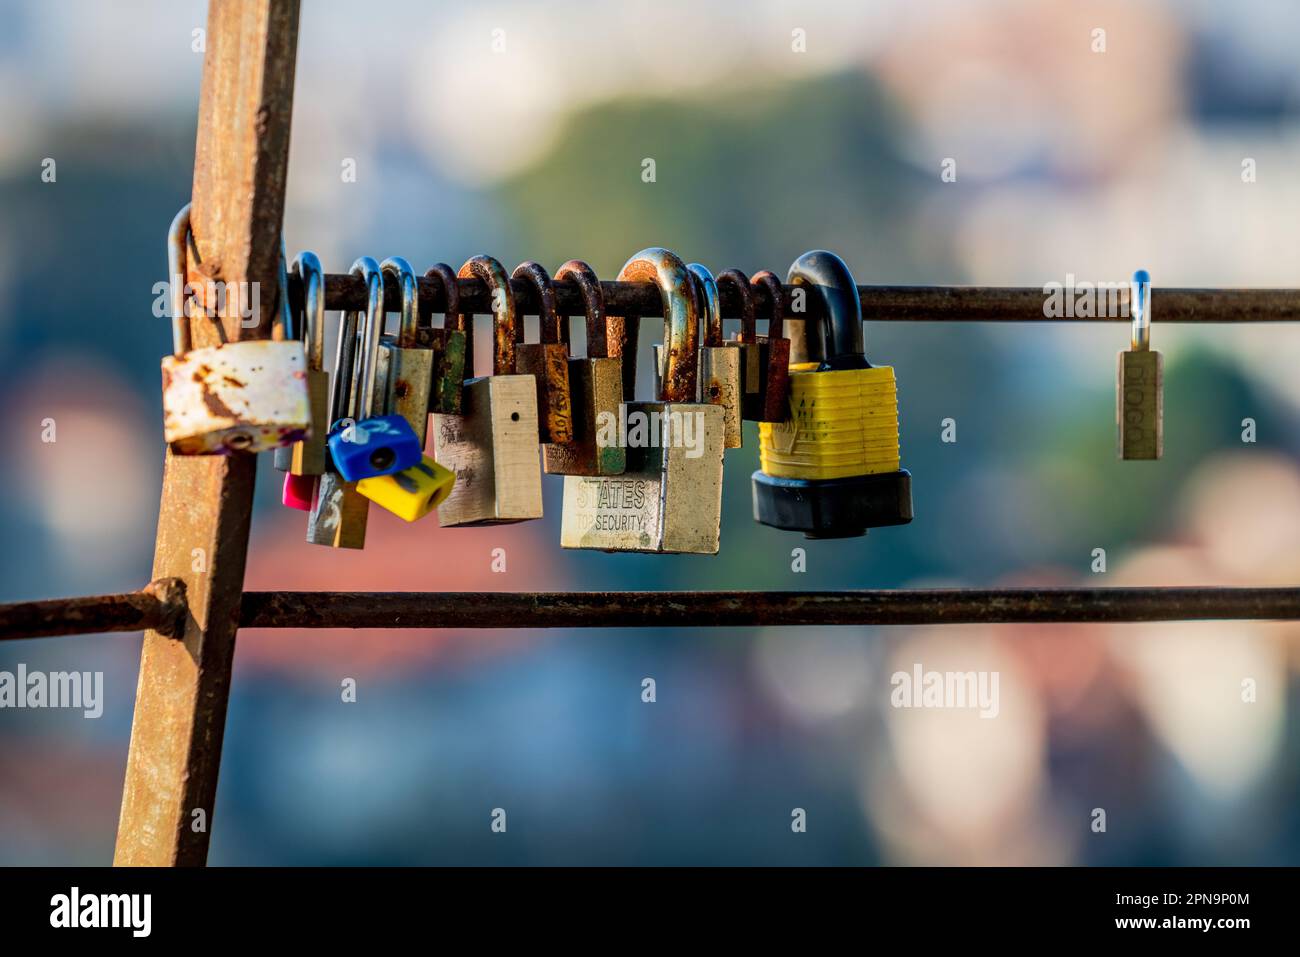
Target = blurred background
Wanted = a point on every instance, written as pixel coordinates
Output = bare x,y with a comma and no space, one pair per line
1068,160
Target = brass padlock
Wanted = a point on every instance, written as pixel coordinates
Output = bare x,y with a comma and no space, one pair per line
307,456
339,513
404,371
719,365
596,385
1139,393
245,396
492,448
449,345
547,361
670,497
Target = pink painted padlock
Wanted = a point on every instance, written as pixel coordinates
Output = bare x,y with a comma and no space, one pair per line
298,491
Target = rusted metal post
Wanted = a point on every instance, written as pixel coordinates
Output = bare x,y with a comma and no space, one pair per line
240,163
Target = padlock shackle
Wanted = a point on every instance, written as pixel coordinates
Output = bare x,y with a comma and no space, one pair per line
345,357
748,319
549,322
1139,307
708,305
505,320
593,304
766,279
681,319
446,276
839,334
400,270
177,241
363,395
307,267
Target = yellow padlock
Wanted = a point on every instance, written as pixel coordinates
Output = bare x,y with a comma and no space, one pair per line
831,469
412,493
841,423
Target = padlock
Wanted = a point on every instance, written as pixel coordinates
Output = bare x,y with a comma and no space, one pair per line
547,361
1139,393
492,448
307,456
746,343
339,513
720,382
298,491
244,396
403,370
449,345
774,351
832,469
411,493
596,385
370,445
670,497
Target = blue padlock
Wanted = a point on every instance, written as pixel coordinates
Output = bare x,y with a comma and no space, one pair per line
382,444
372,447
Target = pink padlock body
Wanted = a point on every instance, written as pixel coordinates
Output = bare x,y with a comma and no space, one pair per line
298,491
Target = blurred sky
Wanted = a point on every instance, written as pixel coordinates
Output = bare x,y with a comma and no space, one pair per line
1069,161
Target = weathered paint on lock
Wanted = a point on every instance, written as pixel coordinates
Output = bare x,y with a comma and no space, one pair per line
1139,405
237,397
338,515
447,347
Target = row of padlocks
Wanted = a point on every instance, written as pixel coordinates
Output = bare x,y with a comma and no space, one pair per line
398,422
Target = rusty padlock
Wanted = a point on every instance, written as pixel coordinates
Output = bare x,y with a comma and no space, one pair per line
449,345
403,370
596,385
492,448
547,361
670,497
244,396
720,382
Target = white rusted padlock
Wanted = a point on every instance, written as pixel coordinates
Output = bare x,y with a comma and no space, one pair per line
243,396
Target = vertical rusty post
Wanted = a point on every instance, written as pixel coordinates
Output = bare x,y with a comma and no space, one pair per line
240,165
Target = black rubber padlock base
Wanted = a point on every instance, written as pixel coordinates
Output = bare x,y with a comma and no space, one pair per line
833,508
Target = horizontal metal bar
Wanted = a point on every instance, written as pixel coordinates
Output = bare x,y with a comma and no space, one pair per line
160,606
157,607
749,608
879,303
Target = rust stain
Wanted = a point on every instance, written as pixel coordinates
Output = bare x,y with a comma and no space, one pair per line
215,405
